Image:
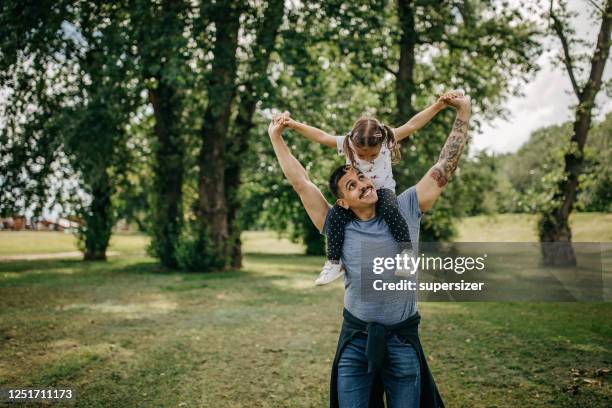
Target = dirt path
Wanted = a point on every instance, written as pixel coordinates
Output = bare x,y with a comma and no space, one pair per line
55,255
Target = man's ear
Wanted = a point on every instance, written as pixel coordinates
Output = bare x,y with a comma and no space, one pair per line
342,203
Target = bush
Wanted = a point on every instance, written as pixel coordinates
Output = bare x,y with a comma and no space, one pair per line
194,251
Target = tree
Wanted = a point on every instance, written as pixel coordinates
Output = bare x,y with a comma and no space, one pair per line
389,59
595,188
255,84
225,129
162,57
313,81
71,107
554,221
527,179
478,192
212,224
185,58
94,130
479,46
28,38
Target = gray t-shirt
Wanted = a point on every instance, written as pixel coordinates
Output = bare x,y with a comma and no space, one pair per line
365,240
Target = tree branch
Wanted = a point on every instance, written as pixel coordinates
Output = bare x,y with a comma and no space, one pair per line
596,6
389,70
600,56
567,60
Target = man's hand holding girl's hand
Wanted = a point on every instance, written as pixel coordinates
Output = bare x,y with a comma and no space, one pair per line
276,127
462,103
286,120
447,97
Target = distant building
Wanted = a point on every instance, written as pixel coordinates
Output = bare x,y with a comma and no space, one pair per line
20,223
14,223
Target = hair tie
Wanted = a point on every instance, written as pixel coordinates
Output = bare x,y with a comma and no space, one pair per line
381,131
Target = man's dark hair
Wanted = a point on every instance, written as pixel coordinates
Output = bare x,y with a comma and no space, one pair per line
336,176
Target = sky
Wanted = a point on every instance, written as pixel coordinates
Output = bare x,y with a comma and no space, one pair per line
547,100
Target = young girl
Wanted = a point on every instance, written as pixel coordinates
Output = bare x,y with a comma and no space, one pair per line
371,147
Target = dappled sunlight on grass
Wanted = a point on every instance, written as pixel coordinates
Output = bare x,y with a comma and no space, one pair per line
268,242
295,283
41,242
34,242
58,271
126,310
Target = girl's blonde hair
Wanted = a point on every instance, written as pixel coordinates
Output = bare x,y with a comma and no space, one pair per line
369,132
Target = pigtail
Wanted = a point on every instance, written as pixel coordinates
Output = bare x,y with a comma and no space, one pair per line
392,144
348,151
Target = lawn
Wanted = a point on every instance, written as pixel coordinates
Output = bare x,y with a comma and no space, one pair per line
590,227
126,333
586,227
40,242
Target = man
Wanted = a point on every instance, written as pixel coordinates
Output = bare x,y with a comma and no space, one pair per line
379,348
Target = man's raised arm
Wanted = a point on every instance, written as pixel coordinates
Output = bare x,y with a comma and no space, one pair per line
315,204
431,186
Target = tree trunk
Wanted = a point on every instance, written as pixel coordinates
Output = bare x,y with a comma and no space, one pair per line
404,83
554,225
221,89
238,142
159,38
168,174
98,221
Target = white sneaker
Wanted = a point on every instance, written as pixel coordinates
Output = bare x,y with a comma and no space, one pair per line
331,271
406,270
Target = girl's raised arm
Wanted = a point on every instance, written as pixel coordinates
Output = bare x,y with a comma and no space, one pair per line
310,132
422,118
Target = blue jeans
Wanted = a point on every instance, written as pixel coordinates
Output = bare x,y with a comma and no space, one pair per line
400,374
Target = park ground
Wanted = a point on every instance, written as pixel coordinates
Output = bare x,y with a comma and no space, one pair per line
125,333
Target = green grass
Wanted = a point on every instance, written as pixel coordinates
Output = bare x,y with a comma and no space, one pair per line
586,227
594,227
49,242
126,333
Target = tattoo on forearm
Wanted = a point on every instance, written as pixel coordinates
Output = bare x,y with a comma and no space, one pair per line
438,175
450,154
460,125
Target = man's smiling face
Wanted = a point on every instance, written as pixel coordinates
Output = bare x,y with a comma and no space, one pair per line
356,190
